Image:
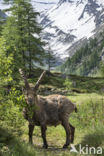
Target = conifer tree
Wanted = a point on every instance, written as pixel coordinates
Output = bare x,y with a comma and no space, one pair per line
22,34
50,59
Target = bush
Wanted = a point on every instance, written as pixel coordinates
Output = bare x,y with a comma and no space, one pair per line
11,109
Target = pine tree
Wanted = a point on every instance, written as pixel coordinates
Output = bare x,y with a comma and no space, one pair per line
19,35
50,59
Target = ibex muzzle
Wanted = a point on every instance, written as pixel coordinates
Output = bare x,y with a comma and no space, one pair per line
51,110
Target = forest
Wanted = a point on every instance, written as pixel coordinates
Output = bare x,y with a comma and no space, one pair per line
23,59
87,60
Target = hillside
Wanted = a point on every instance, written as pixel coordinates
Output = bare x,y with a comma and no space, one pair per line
87,60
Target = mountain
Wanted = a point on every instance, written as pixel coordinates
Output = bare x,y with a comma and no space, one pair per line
43,5
88,59
70,23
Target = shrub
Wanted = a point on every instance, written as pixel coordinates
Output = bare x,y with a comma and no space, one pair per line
68,84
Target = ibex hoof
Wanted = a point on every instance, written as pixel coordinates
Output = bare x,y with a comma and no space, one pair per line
65,146
45,146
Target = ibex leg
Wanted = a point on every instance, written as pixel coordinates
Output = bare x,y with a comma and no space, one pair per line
31,128
66,126
72,132
43,133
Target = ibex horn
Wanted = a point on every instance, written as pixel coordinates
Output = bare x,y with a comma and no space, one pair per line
39,81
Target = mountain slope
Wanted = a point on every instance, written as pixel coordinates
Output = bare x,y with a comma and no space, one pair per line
87,60
39,5
71,21
43,5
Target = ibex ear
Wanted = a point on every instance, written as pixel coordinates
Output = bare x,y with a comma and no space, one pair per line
23,76
39,81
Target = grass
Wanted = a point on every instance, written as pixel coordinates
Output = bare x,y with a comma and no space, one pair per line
55,137
85,98
11,145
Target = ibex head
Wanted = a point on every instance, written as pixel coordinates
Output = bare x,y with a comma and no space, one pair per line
30,93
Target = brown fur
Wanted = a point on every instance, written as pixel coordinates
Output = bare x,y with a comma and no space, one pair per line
51,110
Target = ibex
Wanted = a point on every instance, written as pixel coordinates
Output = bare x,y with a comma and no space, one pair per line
50,110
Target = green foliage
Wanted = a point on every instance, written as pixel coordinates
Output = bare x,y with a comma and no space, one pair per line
5,63
11,109
68,84
17,97
13,116
11,146
9,112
